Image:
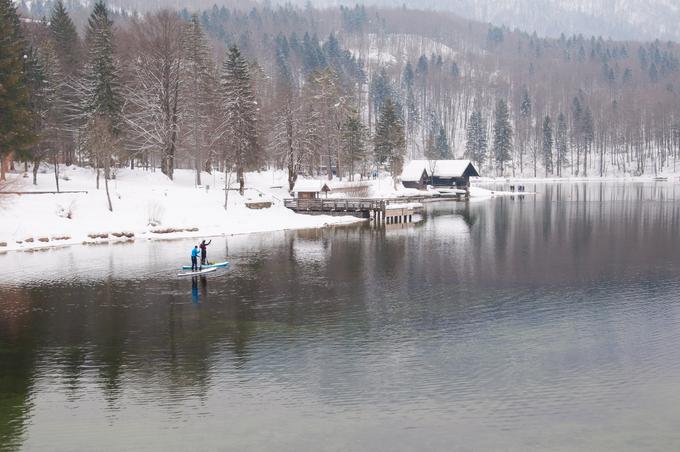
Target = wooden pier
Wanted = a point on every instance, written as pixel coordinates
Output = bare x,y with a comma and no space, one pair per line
362,208
381,210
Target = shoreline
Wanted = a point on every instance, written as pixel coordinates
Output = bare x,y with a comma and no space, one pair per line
146,206
588,179
37,245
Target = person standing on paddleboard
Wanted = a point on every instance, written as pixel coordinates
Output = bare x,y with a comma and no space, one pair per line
204,252
194,258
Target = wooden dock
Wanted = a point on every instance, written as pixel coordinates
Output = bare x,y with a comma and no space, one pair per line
358,207
382,210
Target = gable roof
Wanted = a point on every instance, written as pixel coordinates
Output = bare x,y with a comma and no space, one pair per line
413,170
310,185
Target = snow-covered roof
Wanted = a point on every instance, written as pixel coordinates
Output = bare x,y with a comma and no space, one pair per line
413,170
310,185
442,168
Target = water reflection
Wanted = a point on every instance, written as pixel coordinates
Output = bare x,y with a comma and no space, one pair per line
196,296
543,322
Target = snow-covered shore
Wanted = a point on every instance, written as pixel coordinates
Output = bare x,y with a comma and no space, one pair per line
146,205
672,177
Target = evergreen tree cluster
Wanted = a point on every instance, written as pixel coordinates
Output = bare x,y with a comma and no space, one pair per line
16,115
476,143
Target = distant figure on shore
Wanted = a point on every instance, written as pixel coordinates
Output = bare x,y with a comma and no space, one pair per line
204,252
194,258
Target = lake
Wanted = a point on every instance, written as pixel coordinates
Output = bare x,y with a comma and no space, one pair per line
550,322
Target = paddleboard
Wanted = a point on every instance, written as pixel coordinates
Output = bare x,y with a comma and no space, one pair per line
200,272
217,265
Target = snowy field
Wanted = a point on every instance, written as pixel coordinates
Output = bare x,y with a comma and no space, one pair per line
146,205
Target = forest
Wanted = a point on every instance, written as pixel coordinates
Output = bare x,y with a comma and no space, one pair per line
340,92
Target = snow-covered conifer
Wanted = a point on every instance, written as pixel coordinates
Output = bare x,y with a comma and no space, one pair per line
502,135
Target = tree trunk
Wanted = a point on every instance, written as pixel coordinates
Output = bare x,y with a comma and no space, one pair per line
2,168
56,171
106,185
227,179
198,171
36,167
292,175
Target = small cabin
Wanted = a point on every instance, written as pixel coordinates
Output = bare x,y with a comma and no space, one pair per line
438,173
310,189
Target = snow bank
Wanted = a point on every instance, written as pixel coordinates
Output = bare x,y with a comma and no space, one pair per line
146,205
483,193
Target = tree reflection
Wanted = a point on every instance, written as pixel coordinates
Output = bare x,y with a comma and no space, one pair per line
283,291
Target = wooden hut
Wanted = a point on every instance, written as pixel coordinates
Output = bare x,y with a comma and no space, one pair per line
438,173
310,189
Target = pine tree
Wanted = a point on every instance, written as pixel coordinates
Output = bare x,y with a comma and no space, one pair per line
380,90
102,96
411,110
577,131
561,143
65,38
48,105
198,94
524,128
101,101
476,144
442,145
502,135
66,47
547,145
437,144
240,115
588,128
16,118
389,141
353,142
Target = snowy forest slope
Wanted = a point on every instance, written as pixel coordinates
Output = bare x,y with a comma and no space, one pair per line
618,19
572,105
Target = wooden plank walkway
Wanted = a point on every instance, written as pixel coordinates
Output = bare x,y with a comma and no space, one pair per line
377,208
356,204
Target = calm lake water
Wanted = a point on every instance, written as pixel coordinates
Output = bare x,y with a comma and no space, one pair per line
544,323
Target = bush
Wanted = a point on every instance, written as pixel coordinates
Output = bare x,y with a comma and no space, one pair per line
154,213
66,211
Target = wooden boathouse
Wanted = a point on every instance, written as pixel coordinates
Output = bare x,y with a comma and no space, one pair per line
440,174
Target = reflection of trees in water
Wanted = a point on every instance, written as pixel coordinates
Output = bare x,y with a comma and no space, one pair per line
350,281
18,356
572,231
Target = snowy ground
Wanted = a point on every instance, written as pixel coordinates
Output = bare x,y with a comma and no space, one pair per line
146,204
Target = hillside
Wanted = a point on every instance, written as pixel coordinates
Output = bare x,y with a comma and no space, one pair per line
618,19
577,106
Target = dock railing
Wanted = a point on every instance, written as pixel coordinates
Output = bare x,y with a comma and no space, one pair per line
335,205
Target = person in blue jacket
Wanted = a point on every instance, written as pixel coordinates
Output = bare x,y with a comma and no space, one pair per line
194,258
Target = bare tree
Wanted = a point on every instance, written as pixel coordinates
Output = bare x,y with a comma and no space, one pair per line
153,98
